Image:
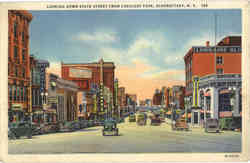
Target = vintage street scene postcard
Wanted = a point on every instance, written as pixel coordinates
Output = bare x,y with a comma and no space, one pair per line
124,81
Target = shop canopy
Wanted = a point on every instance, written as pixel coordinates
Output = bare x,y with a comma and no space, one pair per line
184,115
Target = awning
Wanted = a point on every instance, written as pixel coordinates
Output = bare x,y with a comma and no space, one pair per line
224,91
184,115
53,84
207,94
226,114
202,111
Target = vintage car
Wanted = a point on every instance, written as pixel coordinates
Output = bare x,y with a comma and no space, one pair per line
66,127
212,125
155,120
132,118
18,129
141,119
180,124
110,128
83,124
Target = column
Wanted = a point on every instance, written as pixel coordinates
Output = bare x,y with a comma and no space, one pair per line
236,111
205,110
214,103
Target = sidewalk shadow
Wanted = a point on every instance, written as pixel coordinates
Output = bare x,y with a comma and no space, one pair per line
88,129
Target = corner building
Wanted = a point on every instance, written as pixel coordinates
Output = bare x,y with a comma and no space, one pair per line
218,70
19,87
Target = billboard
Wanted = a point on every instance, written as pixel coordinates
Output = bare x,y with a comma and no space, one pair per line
80,73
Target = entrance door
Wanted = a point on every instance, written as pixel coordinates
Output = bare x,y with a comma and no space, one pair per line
195,117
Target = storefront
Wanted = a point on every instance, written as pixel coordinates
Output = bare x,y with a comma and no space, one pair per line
16,113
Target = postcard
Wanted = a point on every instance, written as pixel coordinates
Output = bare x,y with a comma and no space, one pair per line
124,81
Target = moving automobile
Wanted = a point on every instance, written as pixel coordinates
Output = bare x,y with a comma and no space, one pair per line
110,128
141,119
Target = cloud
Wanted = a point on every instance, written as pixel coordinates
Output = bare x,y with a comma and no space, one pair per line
99,36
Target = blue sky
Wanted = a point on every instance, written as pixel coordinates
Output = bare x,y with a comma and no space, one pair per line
156,38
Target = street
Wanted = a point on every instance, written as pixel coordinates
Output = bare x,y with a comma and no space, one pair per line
131,139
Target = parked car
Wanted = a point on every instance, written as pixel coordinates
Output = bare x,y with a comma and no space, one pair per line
18,129
110,128
132,118
83,124
37,129
155,120
66,127
212,125
180,124
91,123
76,125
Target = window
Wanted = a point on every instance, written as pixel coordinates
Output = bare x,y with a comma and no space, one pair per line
23,55
15,29
23,72
14,87
219,71
15,52
23,37
16,71
219,60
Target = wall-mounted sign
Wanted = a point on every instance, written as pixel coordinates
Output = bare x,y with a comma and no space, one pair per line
80,73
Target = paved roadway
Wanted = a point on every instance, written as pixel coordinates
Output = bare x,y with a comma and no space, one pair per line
132,139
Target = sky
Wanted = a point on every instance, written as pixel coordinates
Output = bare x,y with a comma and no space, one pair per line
146,46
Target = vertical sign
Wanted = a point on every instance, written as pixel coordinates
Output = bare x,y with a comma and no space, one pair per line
195,91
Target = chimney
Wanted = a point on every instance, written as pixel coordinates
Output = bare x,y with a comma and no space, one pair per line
207,43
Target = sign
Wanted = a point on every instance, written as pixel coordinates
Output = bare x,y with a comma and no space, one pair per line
52,100
196,91
17,107
80,73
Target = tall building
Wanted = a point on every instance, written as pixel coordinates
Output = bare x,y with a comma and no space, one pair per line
213,78
19,86
157,97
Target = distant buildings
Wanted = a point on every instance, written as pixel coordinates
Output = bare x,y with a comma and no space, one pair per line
216,73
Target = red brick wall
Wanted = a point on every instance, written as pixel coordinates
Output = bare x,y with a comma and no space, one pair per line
203,64
108,77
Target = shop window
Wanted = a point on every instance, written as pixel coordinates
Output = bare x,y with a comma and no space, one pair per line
18,93
10,92
21,93
219,60
219,71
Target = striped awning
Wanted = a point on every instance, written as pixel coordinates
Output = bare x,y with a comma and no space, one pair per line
184,115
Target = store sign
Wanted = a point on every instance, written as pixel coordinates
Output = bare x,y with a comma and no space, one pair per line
52,100
80,73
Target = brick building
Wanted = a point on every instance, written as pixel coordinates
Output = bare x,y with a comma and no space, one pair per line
217,70
157,97
89,77
19,86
